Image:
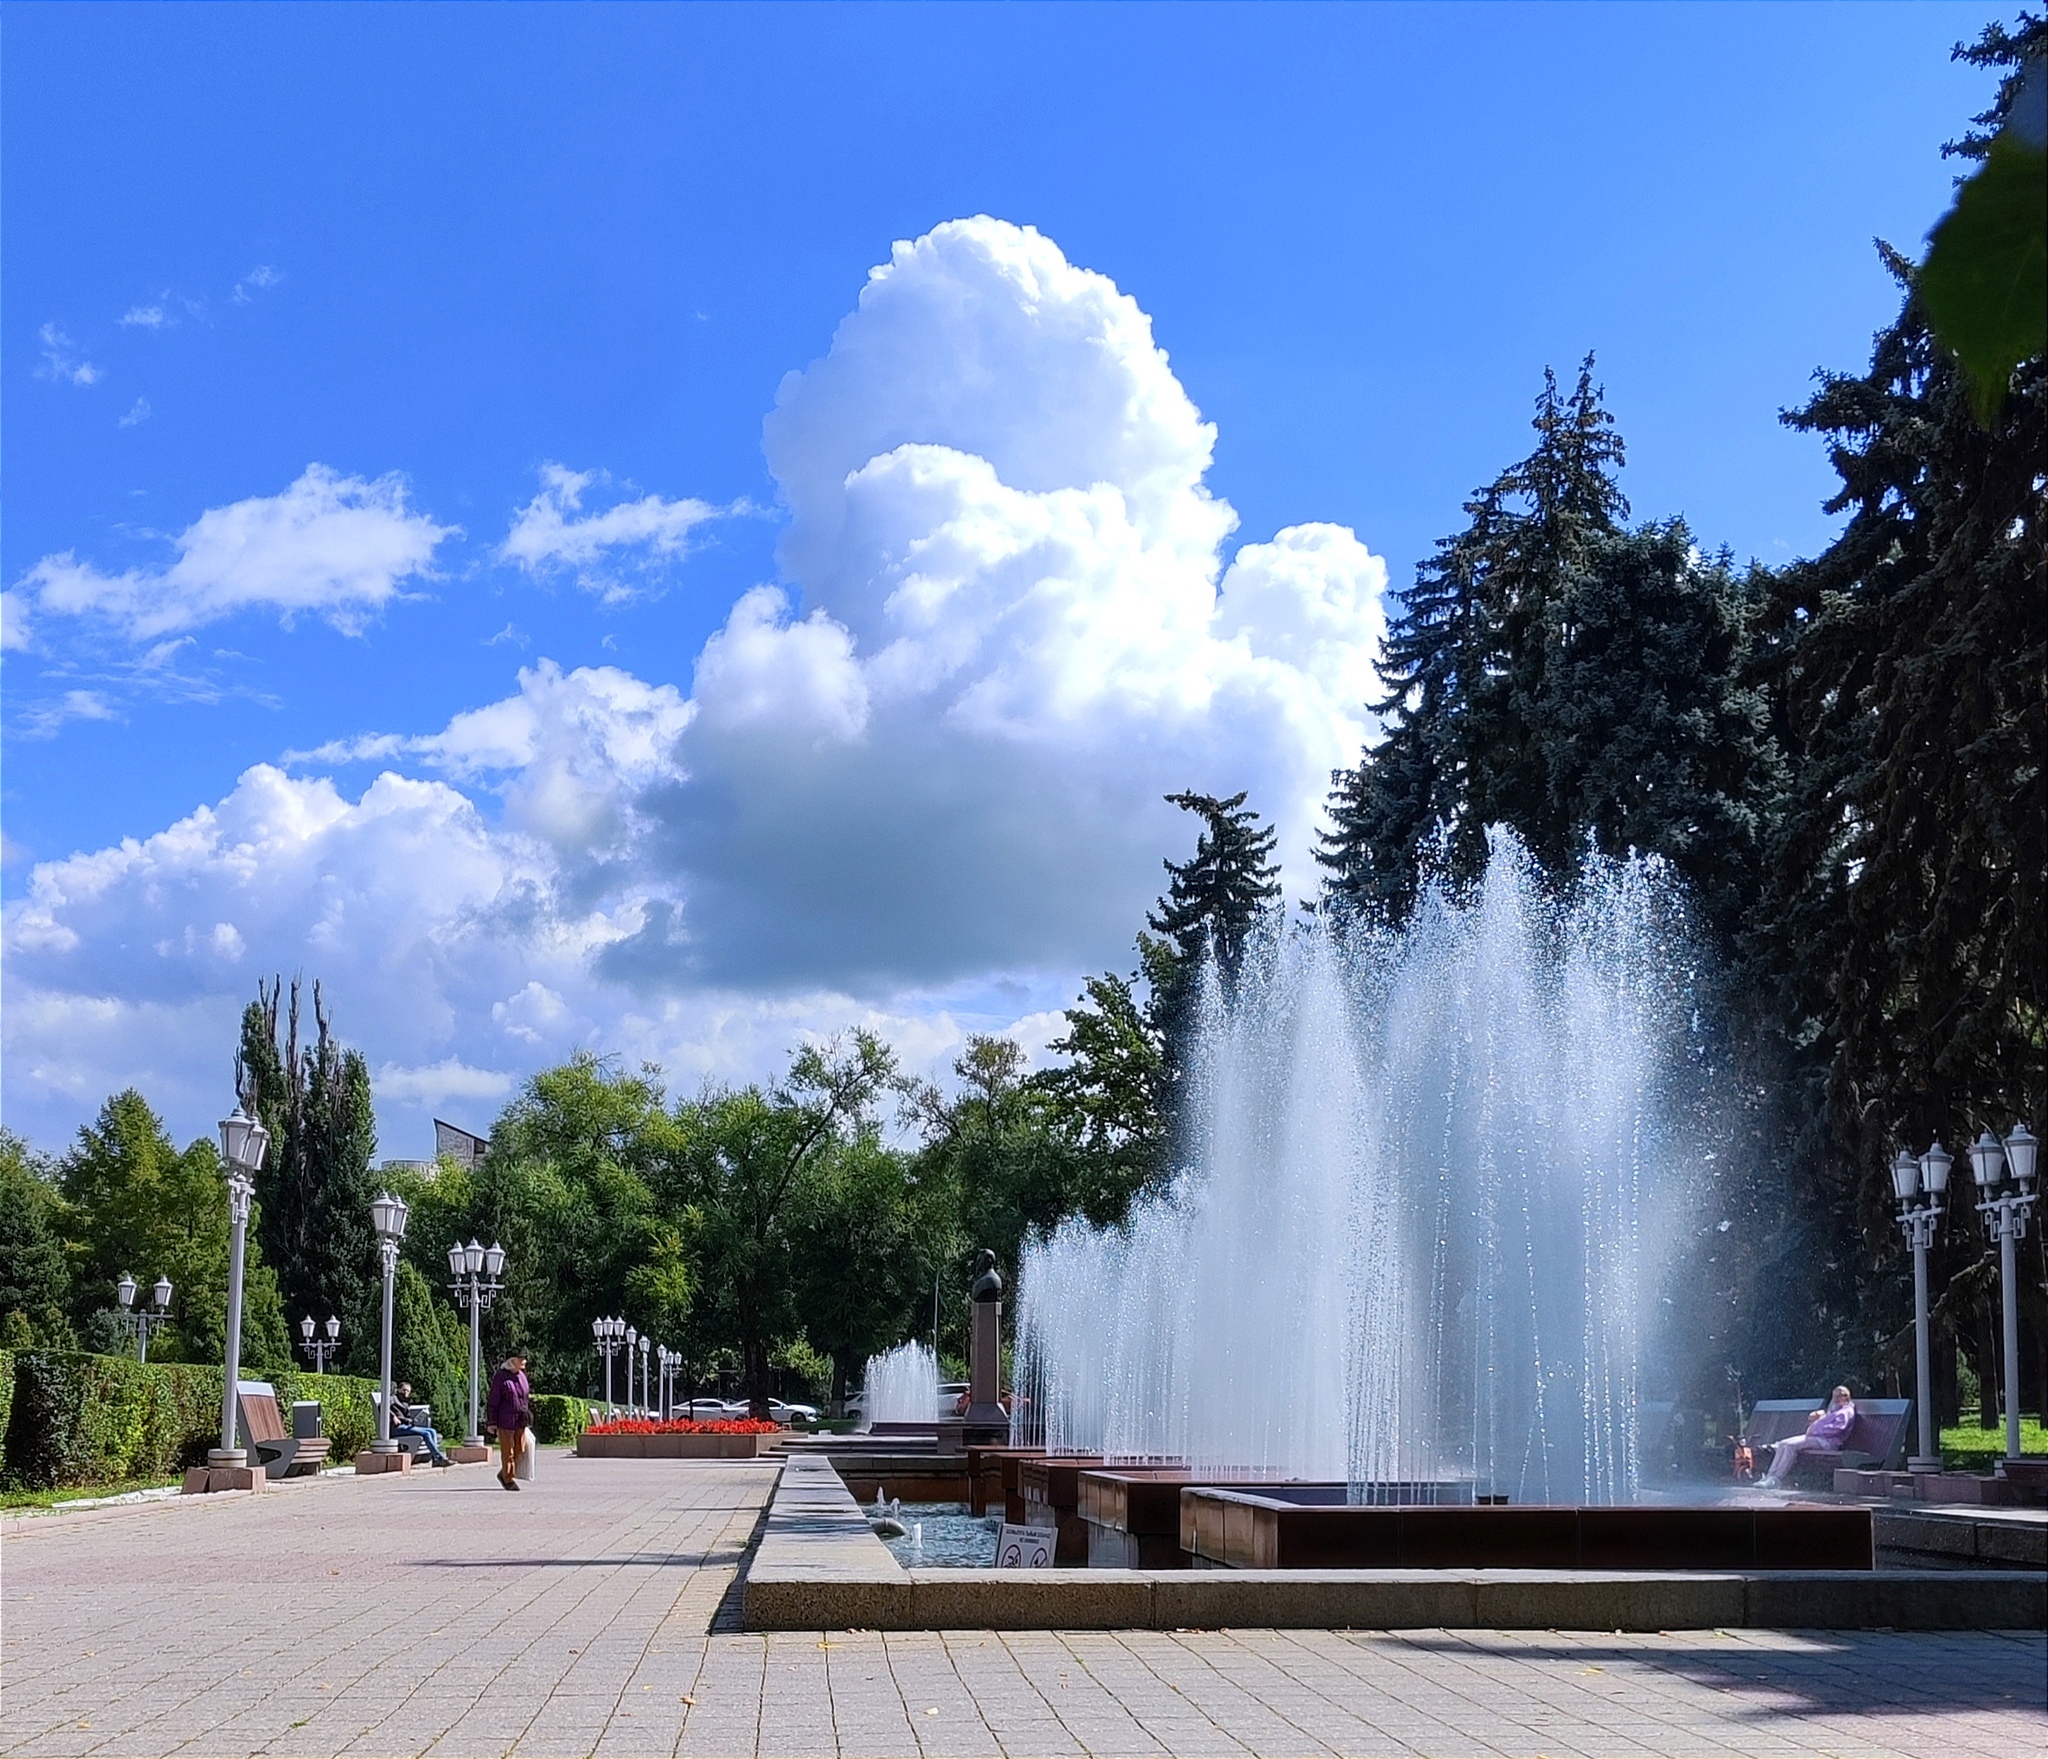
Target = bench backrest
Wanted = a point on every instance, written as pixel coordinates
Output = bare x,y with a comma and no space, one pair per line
261,1419
1879,1429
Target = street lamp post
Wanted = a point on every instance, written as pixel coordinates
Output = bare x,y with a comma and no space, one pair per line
611,1339
1919,1186
320,1351
387,1216
479,1273
646,1396
242,1142
147,1319
2005,1206
632,1339
666,1360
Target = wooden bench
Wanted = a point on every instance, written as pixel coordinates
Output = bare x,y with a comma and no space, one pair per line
1876,1441
264,1436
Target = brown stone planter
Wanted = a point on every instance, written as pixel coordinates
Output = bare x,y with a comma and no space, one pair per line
673,1447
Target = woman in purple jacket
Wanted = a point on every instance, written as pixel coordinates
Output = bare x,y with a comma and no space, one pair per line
509,1412
1826,1433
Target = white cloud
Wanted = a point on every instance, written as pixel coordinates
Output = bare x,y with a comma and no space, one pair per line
137,415
146,317
16,634
253,283
62,360
916,786
339,547
434,1085
552,531
41,720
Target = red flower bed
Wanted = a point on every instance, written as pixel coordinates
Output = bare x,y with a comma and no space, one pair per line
684,1426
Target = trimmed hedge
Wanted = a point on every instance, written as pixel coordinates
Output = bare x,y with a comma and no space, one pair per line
6,1404
557,1417
79,1419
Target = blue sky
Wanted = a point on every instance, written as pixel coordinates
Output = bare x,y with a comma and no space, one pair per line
437,251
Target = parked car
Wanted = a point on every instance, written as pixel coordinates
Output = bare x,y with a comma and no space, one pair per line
707,1410
783,1413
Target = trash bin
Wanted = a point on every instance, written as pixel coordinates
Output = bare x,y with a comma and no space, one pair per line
306,1419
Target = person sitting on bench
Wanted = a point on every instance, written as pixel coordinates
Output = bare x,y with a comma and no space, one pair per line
1826,1431
405,1425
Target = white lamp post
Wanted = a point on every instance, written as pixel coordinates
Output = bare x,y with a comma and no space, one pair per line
242,1142
611,1339
1919,1186
632,1339
646,1394
145,1320
320,1351
479,1277
2005,1205
387,1216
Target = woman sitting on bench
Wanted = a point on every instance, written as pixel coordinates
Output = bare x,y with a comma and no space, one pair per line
1826,1433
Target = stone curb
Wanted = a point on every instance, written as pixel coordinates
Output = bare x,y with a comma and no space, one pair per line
820,1567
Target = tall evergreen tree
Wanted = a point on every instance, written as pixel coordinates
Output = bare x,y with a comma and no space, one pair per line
1470,669
35,1280
1213,901
1573,680
316,1184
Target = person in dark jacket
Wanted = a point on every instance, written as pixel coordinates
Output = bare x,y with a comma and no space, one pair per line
509,1412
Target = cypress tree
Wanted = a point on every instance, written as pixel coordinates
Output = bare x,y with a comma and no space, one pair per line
316,1183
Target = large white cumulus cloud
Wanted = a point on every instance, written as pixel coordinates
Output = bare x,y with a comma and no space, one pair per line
915,782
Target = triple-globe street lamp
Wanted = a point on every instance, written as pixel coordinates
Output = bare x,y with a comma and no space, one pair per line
479,1278
142,1321
611,1339
1920,1183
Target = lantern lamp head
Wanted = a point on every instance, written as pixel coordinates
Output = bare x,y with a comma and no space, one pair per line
387,1215
473,1257
333,1328
1987,1161
162,1291
1934,1166
306,1328
1905,1177
494,1261
2020,1149
242,1141
124,1290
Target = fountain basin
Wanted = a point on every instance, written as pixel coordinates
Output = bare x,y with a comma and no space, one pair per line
992,1481
1223,1528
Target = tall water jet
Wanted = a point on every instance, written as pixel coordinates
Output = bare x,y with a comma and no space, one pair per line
1428,1186
901,1386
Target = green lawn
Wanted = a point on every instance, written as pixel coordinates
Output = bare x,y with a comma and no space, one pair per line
43,1499
1973,1449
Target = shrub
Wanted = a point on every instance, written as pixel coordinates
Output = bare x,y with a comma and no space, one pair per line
79,1419
558,1417
6,1404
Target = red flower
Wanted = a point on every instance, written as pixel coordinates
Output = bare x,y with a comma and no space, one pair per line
684,1426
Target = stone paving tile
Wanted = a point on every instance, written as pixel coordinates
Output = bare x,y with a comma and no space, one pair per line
437,1616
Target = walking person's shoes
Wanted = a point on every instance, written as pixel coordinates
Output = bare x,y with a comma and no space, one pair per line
509,1482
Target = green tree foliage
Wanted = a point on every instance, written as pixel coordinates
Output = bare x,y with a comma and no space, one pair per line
1985,282
1557,673
1899,947
35,1280
142,1207
316,1184
747,1163
430,1350
568,1190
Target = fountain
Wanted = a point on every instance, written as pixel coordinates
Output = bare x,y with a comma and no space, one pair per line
1430,1192
902,1388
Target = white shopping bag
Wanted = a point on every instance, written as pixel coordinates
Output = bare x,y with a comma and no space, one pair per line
527,1454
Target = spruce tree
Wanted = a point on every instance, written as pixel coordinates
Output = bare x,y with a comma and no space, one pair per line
1469,669
316,1184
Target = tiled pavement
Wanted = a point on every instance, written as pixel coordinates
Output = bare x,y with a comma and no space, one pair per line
438,1615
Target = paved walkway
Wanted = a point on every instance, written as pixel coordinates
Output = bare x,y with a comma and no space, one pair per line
438,1615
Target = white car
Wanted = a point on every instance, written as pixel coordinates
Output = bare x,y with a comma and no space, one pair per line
707,1410
792,1413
